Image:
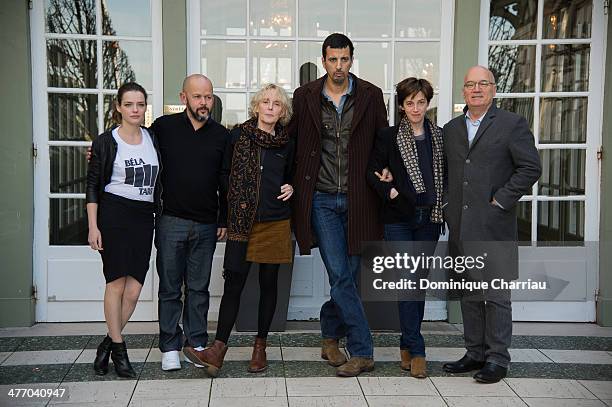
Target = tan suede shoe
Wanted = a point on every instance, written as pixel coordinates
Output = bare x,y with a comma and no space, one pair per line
331,352
418,367
355,366
405,359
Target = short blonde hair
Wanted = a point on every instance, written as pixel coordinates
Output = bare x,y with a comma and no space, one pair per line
286,105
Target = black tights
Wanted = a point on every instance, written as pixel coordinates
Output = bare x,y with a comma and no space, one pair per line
230,302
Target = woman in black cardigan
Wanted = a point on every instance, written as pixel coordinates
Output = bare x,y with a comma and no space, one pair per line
412,199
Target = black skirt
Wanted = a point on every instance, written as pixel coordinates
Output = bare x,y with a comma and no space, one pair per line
126,227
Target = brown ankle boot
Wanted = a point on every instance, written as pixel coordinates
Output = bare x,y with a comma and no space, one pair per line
418,367
211,358
405,359
258,362
331,352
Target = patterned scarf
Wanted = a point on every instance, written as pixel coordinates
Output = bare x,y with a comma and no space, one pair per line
245,176
408,151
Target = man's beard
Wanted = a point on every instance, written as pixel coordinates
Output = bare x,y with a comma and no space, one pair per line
195,115
338,81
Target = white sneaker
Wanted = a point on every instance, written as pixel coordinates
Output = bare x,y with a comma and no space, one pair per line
171,360
199,349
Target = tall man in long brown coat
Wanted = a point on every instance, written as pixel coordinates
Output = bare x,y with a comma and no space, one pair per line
335,120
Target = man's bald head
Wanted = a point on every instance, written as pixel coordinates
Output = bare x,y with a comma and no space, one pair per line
194,80
197,96
479,69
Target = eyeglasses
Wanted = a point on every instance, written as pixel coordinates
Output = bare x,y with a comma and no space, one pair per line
483,84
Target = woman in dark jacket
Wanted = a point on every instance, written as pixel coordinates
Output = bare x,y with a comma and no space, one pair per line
257,167
122,192
412,199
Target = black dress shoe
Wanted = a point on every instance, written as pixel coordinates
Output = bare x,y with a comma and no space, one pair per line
119,355
491,373
463,365
101,362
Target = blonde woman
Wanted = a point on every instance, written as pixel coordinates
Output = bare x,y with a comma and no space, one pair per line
257,168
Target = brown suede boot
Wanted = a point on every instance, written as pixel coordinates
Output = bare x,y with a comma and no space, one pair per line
355,366
258,363
331,352
418,367
405,359
211,358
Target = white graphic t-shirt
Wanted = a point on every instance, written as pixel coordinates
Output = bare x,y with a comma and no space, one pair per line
135,169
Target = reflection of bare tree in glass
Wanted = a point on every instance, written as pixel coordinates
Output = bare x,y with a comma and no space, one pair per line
72,63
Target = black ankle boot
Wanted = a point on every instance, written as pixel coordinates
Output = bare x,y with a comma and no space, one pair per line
119,355
100,365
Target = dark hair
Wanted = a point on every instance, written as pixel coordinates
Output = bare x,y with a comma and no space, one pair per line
337,41
126,87
410,87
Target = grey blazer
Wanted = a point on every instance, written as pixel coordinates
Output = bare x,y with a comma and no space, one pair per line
502,163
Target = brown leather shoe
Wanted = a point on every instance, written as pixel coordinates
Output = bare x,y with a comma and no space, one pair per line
418,367
211,358
331,352
405,359
258,362
355,366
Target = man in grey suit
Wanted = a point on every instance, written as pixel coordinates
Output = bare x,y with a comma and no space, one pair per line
492,161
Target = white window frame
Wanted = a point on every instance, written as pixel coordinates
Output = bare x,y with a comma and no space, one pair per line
40,91
594,95
445,41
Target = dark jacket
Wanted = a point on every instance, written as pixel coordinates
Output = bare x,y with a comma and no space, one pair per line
275,166
369,116
502,163
100,167
335,136
386,154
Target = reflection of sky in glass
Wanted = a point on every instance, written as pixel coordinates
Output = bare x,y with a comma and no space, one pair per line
129,18
366,20
417,18
227,20
139,59
314,23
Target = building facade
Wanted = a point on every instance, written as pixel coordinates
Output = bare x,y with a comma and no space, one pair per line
68,57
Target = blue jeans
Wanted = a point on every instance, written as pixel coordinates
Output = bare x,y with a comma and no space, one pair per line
185,251
343,314
418,229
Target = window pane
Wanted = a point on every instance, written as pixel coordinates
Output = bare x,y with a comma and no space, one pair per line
71,17
417,19
109,107
68,168
420,60
513,20
366,20
523,217
562,172
126,61
513,67
567,18
561,221
67,222
129,18
314,23
72,64
272,17
563,120
520,106
224,62
272,62
232,107
565,68
309,57
227,20
73,117
372,62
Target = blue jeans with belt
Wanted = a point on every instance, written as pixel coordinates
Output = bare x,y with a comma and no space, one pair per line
343,314
418,229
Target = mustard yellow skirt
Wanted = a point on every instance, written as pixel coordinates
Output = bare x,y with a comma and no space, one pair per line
270,242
